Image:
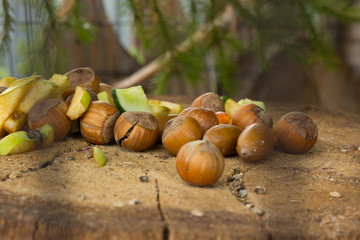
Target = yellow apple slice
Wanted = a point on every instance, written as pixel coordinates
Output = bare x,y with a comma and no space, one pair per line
62,83
10,98
6,81
39,91
79,104
231,107
159,110
47,134
175,108
19,142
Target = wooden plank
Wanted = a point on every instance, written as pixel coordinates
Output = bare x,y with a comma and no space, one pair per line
59,192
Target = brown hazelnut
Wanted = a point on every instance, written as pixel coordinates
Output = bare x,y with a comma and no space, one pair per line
224,137
200,163
205,117
178,131
84,77
51,111
209,100
255,142
97,123
295,132
162,120
136,131
251,113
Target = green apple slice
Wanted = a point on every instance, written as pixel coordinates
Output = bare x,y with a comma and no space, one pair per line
99,157
105,97
10,98
19,142
258,103
231,107
79,104
131,99
175,108
47,134
40,90
62,82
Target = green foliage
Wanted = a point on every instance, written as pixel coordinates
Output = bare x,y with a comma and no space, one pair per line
296,27
6,25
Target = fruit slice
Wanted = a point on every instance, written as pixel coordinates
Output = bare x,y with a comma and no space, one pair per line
131,99
47,134
62,82
159,110
246,101
99,156
79,103
84,77
19,142
6,81
10,99
175,108
40,90
231,106
105,97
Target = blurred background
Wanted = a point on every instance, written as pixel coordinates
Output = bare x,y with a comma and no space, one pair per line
293,51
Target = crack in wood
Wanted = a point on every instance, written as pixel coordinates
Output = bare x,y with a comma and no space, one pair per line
163,219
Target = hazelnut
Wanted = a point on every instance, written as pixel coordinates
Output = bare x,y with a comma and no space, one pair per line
200,163
224,137
136,131
255,142
251,113
84,77
295,132
51,111
97,123
205,117
162,120
209,100
178,131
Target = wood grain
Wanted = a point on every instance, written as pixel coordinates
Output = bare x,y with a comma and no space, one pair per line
59,192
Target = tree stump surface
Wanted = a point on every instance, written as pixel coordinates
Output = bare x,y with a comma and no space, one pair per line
58,192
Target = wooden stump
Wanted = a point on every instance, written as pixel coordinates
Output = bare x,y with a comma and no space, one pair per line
58,192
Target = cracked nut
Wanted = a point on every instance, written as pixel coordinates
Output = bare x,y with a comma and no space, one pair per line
97,123
295,132
136,131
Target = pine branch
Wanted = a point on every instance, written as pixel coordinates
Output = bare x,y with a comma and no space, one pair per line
7,28
156,65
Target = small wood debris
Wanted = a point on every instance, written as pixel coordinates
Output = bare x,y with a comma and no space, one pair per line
259,189
335,194
197,213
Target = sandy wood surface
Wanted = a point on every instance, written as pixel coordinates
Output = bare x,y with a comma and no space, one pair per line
59,192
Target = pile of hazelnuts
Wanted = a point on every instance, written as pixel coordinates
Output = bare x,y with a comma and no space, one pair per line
200,143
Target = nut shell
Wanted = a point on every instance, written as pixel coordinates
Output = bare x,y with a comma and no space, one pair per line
51,111
178,131
209,100
251,113
136,131
255,142
84,77
295,132
205,117
97,123
200,163
224,137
